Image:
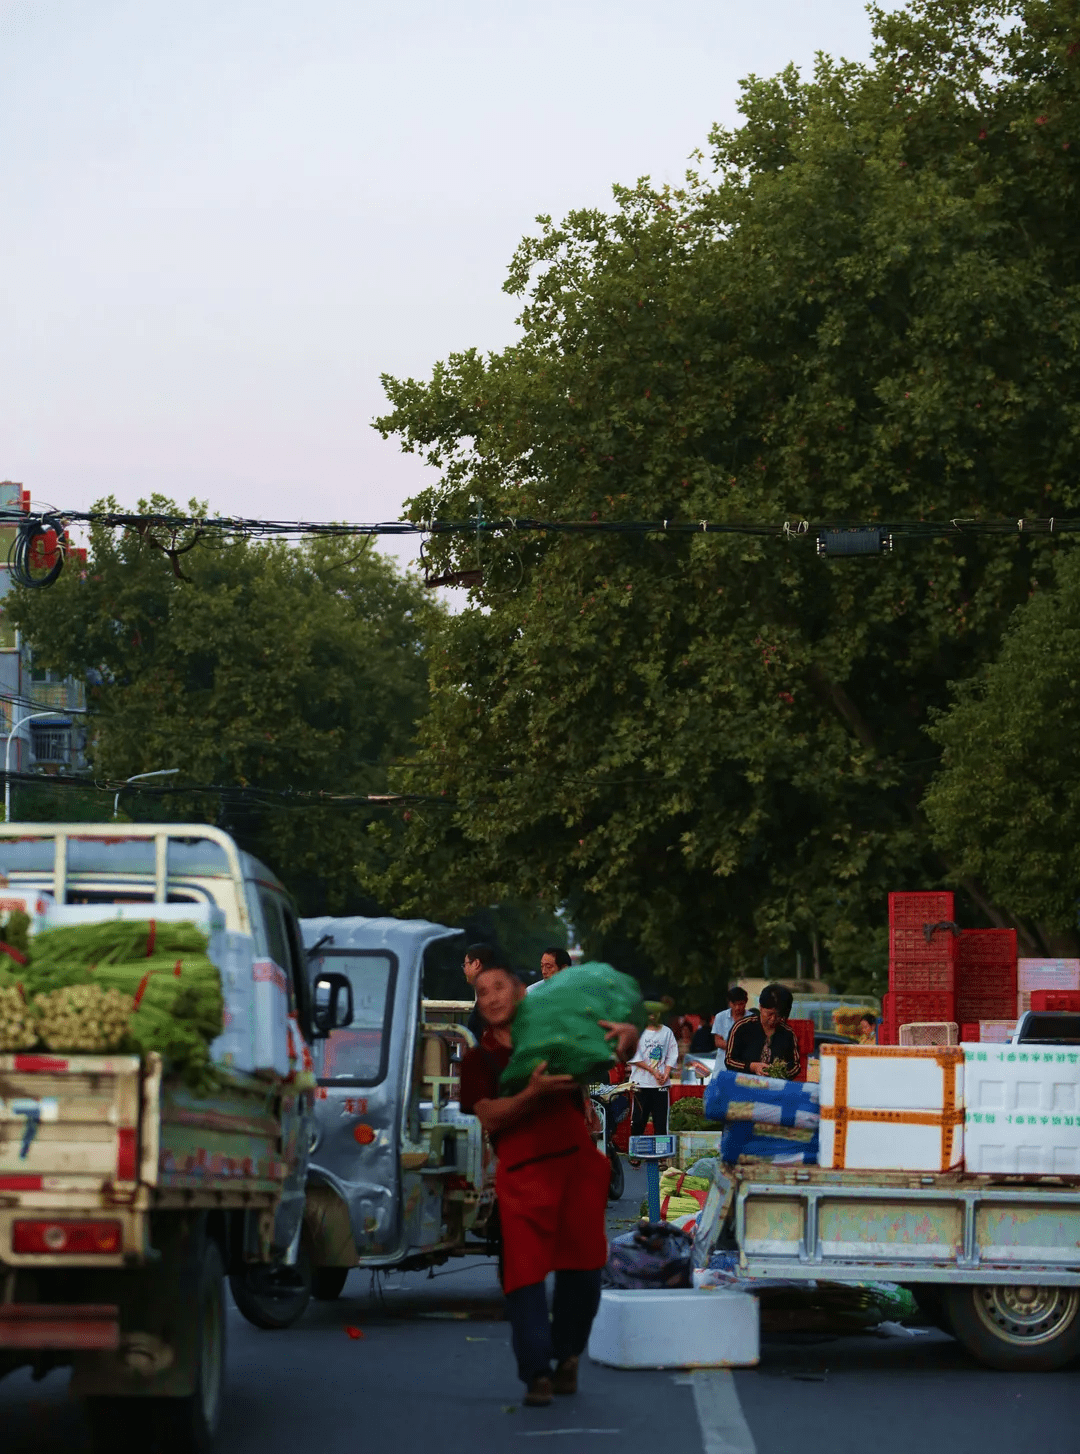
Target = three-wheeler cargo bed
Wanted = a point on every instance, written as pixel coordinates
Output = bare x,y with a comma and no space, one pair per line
808,1222
91,1145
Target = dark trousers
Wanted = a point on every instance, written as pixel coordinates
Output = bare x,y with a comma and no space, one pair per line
538,1338
650,1103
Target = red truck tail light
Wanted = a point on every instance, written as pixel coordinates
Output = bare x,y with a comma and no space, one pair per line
72,1238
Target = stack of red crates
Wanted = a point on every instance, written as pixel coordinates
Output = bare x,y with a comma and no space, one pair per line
986,974
922,961
941,974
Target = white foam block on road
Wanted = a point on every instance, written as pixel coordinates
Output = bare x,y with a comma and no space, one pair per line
676,1328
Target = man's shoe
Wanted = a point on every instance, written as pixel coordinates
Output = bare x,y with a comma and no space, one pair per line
539,1393
565,1380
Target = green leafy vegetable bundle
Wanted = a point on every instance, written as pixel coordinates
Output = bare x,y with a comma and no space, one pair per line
558,1023
122,984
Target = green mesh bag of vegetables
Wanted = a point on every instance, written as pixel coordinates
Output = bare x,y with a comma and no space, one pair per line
558,1023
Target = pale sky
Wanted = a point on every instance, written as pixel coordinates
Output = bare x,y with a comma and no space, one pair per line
223,219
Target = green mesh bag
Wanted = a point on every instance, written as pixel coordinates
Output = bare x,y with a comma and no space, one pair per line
557,1022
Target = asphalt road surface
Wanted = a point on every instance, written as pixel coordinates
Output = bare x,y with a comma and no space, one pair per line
433,1369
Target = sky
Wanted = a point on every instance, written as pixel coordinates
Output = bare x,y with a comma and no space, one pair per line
224,219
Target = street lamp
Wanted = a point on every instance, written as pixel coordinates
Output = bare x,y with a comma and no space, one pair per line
138,777
30,716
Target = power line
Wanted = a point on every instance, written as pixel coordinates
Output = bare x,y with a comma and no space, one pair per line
485,525
231,792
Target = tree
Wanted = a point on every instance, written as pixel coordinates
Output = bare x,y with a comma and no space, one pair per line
1005,804
262,668
713,748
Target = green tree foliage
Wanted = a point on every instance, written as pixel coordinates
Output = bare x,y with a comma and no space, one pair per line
1006,802
865,308
264,666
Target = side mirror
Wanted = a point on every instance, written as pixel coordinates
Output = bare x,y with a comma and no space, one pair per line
332,1007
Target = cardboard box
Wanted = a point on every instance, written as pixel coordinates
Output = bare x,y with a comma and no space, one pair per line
888,1108
1047,974
1022,1109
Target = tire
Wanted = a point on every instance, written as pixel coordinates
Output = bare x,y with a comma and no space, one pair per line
617,1185
1016,1327
327,1283
178,1425
276,1297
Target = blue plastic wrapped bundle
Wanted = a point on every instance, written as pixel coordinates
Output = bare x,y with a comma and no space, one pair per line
733,1095
746,1139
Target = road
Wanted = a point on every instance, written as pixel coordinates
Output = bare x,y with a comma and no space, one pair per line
433,1369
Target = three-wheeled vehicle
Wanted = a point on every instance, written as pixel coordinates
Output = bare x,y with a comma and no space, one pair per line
396,1177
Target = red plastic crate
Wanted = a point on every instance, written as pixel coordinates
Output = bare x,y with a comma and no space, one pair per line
913,1009
986,974
912,911
933,975
969,1033
803,1030
1045,1000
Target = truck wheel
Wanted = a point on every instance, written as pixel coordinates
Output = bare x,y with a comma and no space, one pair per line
179,1425
327,1282
1018,1328
274,1297
189,1424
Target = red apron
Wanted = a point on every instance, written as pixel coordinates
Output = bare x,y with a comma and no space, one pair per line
552,1185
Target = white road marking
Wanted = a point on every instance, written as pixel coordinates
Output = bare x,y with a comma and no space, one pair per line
724,1430
550,1433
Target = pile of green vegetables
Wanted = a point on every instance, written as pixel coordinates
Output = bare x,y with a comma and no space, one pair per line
133,985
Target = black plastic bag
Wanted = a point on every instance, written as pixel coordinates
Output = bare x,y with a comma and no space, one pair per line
654,1254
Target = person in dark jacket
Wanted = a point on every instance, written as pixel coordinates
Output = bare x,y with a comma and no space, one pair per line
761,1041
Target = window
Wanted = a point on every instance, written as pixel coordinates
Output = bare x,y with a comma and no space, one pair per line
51,744
357,1054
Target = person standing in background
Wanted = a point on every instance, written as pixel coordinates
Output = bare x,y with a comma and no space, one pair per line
726,1019
650,1072
703,1042
478,957
552,962
762,1043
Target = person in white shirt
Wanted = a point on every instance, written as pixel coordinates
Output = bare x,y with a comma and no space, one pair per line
552,962
656,1056
721,1025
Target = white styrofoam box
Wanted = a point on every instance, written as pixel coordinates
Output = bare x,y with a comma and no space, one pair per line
1047,974
885,1077
270,1018
904,1108
234,955
205,916
676,1327
1022,1109
891,1146
34,905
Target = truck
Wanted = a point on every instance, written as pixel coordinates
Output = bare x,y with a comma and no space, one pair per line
993,1260
127,1198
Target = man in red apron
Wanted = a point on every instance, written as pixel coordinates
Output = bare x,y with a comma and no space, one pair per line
551,1183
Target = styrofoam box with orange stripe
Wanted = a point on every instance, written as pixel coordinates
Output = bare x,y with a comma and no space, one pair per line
892,1108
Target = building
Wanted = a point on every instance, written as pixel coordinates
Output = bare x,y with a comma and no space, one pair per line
43,713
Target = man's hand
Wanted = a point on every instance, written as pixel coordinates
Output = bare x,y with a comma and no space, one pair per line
541,1084
623,1034
758,1067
